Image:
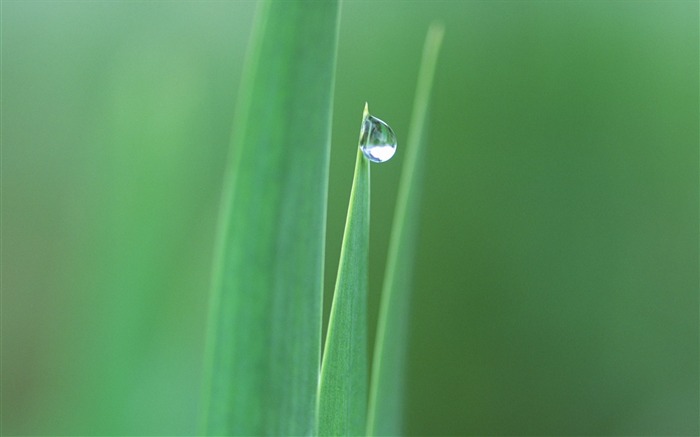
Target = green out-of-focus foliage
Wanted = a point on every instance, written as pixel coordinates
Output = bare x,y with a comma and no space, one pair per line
264,337
556,278
389,362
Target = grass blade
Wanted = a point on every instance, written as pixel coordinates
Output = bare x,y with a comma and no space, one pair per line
344,378
388,368
263,346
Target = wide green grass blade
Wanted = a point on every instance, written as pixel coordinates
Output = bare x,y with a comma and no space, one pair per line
344,377
389,362
263,350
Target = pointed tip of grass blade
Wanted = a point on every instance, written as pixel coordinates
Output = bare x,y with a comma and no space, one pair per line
436,32
343,387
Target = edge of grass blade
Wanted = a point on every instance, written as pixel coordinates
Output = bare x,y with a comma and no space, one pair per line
385,415
342,400
264,329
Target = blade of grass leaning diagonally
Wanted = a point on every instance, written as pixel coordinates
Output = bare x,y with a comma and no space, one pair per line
342,400
264,333
389,362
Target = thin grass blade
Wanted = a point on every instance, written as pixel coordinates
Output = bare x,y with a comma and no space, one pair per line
389,362
344,376
263,346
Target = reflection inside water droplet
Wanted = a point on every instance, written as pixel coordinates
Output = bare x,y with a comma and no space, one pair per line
377,140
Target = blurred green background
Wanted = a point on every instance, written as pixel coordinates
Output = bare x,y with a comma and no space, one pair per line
557,276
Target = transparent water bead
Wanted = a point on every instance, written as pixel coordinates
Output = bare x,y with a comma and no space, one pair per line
377,140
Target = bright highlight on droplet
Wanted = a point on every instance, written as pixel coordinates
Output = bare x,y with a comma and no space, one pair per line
377,139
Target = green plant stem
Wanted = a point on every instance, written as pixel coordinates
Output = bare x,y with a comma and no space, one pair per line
385,415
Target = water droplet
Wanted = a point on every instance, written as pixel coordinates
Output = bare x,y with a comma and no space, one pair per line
377,140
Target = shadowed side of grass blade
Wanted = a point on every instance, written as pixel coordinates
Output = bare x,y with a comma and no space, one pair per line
263,345
388,369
